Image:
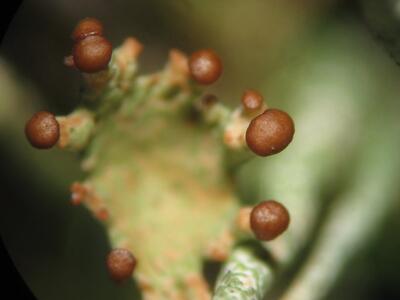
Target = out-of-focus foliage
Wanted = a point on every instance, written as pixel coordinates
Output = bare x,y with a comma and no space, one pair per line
383,19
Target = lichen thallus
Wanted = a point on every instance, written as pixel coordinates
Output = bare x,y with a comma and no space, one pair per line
164,160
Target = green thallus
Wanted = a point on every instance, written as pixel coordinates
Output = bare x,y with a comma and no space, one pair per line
151,166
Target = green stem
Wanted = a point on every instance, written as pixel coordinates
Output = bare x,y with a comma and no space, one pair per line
244,277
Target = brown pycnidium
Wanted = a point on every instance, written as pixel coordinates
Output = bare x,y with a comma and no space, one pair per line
92,54
42,130
205,66
268,220
120,264
270,132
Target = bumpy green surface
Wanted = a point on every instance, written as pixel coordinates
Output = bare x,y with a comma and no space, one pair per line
156,172
244,277
160,177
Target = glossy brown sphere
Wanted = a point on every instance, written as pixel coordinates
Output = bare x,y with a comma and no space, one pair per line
120,264
268,220
252,101
42,130
92,54
205,66
87,27
270,132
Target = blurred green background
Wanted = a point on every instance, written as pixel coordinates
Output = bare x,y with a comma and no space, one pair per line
268,45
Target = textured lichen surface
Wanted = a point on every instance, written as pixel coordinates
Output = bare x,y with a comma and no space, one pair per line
158,176
158,158
245,277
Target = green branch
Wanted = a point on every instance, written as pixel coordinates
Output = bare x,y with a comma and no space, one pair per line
244,277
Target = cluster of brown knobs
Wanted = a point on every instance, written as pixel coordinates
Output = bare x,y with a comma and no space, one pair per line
268,133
